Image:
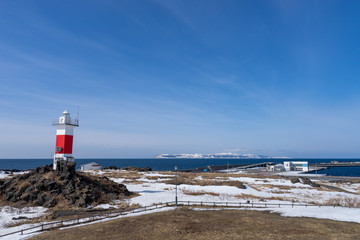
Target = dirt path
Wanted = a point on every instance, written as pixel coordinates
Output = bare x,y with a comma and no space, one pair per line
335,188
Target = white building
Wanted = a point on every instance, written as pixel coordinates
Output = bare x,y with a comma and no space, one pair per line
91,166
276,168
296,166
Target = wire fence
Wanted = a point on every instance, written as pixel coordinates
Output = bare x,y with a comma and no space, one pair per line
107,215
247,204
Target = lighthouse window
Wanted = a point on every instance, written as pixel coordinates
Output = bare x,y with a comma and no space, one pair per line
58,149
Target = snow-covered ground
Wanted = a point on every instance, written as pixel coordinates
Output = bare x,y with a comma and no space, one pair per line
257,189
299,174
10,216
158,187
8,174
348,186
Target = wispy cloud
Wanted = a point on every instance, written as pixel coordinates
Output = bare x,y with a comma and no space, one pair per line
40,25
178,11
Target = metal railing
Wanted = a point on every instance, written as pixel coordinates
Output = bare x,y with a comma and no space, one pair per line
73,122
246,204
92,218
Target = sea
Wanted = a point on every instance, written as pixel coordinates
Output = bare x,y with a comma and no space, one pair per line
163,164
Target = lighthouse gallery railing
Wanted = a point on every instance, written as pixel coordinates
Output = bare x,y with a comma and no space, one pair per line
74,122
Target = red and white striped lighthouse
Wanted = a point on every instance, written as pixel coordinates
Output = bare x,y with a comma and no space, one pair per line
64,137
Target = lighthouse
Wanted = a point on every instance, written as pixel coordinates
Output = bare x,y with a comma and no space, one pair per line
64,138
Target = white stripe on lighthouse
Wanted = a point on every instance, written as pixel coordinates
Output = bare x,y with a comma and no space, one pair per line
66,131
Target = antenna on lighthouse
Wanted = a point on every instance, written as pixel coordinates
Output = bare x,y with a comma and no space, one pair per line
77,115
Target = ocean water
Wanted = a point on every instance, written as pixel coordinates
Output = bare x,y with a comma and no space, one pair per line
169,164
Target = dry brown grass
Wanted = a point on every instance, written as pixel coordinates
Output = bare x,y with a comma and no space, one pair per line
248,196
200,225
185,177
203,182
344,202
117,174
351,181
198,193
227,175
152,177
132,182
131,176
252,197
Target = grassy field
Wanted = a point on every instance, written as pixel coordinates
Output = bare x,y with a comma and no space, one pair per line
220,224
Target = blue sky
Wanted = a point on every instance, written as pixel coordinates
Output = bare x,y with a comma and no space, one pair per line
280,78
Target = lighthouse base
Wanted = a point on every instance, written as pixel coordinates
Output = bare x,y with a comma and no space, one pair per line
65,169
58,160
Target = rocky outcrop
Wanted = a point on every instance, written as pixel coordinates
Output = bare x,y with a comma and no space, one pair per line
304,180
48,188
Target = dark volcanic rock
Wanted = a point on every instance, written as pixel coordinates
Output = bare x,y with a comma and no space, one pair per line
20,218
65,169
304,180
81,202
112,168
43,169
295,180
48,188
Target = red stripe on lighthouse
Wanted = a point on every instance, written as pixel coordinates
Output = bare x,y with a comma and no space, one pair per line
66,144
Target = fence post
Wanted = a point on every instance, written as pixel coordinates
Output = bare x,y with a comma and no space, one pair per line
265,204
201,203
292,205
239,204
22,231
279,205
214,204
145,208
42,227
252,204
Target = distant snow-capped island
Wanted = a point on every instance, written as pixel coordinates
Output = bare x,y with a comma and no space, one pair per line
216,155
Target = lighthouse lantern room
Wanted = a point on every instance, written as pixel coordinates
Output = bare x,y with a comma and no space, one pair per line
64,138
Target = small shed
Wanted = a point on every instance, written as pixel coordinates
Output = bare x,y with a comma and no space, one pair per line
91,166
279,168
